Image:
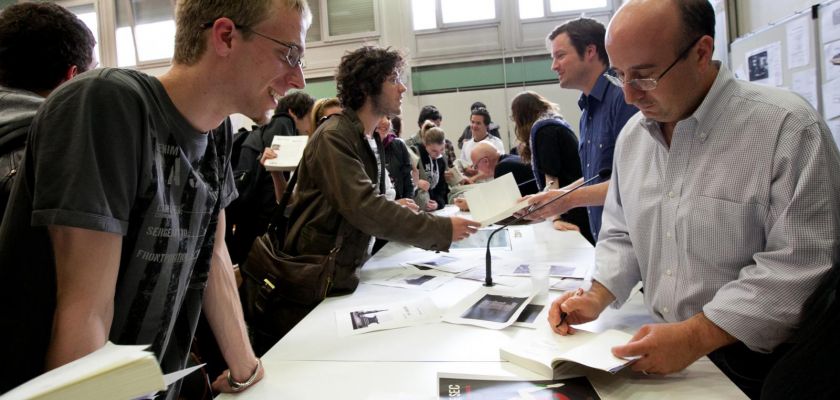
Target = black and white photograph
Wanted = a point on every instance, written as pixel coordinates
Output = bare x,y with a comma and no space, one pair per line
418,280
758,65
363,319
530,313
494,308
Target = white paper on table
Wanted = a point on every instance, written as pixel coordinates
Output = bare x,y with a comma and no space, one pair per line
289,151
764,65
830,23
556,270
805,84
479,273
491,308
442,262
830,51
413,278
493,201
567,284
831,99
378,317
478,241
798,46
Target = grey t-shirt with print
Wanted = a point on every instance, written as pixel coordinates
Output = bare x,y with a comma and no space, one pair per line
110,152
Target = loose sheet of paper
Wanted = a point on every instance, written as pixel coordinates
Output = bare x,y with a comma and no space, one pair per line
805,83
764,65
798,48
413,278
492,308
378,317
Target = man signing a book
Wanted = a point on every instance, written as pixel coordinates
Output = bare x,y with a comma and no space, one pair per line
721,202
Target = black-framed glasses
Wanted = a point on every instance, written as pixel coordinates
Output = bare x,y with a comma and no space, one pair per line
647,84
294,54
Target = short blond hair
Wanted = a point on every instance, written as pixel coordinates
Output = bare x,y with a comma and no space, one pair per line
191,17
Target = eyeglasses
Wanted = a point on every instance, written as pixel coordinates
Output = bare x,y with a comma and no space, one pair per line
294,56
646,84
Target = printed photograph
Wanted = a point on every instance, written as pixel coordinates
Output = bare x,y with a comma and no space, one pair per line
530,313
494,308
479,240
759,66
364,319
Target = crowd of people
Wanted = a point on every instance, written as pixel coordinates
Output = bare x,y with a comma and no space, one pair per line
129,199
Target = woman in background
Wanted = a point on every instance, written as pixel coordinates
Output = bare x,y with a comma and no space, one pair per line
322,109
551,148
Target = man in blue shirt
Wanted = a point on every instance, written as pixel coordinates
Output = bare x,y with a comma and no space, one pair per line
580,61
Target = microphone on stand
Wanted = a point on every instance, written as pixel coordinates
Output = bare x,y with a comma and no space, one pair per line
604,174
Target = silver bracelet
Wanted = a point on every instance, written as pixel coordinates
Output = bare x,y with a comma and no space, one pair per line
240,386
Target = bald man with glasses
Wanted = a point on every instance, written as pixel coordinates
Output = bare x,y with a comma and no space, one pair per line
724,202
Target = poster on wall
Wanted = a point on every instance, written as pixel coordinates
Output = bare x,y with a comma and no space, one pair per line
830,23
805,84
764,65
798,48
831,54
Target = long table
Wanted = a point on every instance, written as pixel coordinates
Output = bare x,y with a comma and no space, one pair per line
313,362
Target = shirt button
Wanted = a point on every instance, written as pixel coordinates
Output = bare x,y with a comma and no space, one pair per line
588,142
587,165
668,272
671,194
664,310
667,234
600,146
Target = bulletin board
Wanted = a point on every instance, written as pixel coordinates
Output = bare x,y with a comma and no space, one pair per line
829,45
785,54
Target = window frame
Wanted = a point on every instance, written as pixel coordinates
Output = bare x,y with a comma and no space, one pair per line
327,39
611,7
443,27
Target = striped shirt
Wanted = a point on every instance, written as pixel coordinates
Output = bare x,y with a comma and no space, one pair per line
738,218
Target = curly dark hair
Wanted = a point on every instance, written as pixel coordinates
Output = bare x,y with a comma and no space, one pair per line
430,113
362,72
38,42
299,103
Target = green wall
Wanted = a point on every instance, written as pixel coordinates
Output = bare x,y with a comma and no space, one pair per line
462,76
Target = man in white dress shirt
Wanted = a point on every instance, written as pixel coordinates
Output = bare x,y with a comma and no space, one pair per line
724,202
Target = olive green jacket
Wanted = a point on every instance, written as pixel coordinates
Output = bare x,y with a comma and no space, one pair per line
338,181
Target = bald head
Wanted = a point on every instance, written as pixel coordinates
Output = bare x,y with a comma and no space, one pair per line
674,22
484,157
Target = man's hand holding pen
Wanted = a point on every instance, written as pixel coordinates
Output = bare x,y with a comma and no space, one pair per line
578,307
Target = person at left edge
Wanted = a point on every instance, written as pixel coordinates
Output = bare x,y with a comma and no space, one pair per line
116,230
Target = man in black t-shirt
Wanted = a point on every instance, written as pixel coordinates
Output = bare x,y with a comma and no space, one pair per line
117,222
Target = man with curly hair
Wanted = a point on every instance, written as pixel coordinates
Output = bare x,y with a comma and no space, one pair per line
340,187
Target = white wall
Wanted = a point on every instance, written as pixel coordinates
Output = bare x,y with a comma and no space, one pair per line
756,14
455,108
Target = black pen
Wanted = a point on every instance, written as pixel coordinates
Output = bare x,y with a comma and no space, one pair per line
563,314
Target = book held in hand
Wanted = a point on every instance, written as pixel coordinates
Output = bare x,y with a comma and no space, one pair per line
112,372
471,387
543,350
289,151
493,201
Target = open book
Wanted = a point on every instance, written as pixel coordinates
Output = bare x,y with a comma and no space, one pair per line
493,201
289,151
112,372
544,350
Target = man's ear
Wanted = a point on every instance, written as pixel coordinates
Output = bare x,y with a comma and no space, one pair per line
221,36
71,72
